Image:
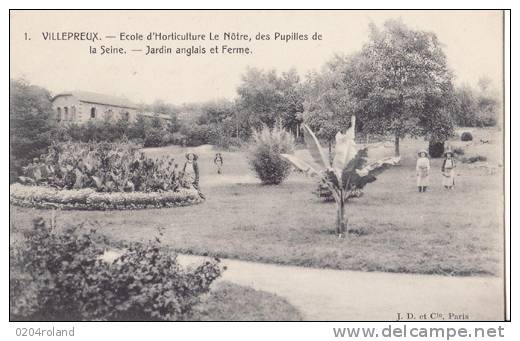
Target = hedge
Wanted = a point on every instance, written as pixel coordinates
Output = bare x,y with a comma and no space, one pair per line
89,199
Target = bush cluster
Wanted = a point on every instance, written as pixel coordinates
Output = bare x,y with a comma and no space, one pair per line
103,166
218,134
65,277
264,154
150,132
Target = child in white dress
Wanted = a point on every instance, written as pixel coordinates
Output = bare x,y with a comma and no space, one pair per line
423,171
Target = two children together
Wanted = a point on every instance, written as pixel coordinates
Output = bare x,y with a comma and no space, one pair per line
423,170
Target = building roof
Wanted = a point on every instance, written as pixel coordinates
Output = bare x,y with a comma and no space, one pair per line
92,97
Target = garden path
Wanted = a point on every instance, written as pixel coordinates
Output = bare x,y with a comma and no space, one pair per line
324,294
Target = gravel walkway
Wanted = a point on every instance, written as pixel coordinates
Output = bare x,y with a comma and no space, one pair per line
323,294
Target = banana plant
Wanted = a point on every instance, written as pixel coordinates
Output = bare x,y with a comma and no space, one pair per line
347,171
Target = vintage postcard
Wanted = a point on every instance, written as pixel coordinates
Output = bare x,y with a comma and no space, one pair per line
257,165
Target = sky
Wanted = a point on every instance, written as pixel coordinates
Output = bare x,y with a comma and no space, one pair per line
472,42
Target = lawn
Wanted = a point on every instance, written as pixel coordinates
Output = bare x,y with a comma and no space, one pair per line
396,229
231,302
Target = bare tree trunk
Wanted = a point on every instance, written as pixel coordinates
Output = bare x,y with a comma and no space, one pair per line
396,144
330,152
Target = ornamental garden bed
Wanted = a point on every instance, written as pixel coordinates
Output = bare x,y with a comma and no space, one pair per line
89,199
102,176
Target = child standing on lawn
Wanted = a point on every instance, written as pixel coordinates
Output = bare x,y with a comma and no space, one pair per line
219,161
423,171
190,171
448,173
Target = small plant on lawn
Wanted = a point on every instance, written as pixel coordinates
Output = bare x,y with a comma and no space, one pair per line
64,276
265,154
347,172
473,159
466,136
458,151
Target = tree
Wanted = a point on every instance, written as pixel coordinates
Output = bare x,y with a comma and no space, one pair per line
265,98
291,105
465,106
401,83
478,106
488,103
328,106
30,126
347,172
138,128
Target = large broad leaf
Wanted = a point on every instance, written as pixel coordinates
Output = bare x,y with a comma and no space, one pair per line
80,179
90,162
368,174
98,181
349,173
315,149
300,164
345,150
379,166
357,174
358,161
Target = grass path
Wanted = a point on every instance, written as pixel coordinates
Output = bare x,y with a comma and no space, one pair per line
324,294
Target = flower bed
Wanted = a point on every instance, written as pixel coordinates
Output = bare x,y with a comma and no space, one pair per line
89,199
105,167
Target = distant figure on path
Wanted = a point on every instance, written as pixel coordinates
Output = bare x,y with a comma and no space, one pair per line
190,171
423,170
219,161
448,173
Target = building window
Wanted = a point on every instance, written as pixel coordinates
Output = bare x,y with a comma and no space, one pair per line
66,113
58,117
73,114
126,116
93,112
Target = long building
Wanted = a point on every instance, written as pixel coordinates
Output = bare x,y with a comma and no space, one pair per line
82,106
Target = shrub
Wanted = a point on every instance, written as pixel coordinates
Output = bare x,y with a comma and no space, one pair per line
156,139
103,166
466,136
64,276
436,149
458,151
264,154
197,134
